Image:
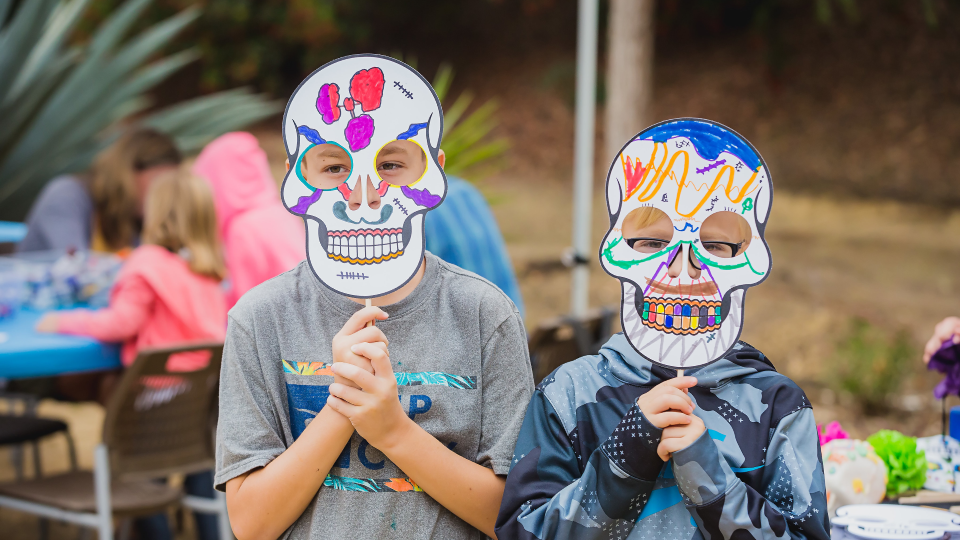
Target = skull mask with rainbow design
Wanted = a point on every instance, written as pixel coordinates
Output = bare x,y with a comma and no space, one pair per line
347,130
688,201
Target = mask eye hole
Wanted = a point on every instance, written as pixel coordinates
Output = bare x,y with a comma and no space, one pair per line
325,166
401,163
647,229
725,235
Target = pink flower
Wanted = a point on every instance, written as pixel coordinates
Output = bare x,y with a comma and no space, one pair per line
831,432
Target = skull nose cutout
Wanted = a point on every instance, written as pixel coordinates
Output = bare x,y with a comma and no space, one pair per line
683,264
364,194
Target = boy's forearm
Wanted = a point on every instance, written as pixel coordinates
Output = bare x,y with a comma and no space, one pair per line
469,490
267,501
714,494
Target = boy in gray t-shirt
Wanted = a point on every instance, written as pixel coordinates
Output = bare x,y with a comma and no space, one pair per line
430,465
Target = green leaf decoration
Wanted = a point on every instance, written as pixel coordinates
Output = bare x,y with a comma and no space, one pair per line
906,466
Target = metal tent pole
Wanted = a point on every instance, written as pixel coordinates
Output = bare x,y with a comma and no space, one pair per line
587,19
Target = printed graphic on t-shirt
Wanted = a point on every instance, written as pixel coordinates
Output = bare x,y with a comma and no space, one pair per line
304,401
403,379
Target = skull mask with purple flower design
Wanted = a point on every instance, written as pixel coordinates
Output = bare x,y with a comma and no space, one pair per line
358,106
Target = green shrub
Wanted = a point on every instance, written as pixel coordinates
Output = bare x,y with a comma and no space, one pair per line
871,365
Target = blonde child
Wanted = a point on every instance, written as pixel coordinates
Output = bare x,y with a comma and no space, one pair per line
167,292
169,288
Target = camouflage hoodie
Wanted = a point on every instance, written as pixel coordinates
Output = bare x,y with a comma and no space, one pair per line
586,464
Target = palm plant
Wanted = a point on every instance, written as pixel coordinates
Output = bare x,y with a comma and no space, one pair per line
464,137
60,104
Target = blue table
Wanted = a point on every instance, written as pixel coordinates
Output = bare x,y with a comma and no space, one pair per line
11,231
26,353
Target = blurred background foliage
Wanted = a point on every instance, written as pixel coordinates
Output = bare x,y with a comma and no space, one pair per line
270,45
871,365
273,44
61,101
466,142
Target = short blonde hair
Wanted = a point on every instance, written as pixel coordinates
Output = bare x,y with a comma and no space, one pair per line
641,218
179,213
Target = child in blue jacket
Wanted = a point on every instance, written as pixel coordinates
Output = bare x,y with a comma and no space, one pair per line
738,457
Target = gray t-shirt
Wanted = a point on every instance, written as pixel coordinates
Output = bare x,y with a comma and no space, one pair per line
459,351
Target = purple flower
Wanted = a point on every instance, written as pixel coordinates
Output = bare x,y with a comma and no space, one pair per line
359,131
947,361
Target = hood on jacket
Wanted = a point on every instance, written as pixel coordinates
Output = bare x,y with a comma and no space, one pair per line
239,174
626,364
196,301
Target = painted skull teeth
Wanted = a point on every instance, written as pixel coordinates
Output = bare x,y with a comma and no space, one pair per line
681,315
365,246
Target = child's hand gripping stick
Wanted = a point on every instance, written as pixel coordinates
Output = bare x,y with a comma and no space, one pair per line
358,329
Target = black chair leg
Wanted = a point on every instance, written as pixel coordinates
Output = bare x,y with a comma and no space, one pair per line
71,450
16,456
37,470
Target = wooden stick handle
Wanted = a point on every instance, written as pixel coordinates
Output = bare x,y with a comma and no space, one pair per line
368,303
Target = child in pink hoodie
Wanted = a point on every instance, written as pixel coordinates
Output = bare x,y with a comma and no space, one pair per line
261,239
168,290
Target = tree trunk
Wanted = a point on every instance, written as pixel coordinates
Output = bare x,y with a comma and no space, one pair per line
629,71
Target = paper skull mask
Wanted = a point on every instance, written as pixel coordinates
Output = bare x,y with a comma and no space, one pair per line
362,135
688,201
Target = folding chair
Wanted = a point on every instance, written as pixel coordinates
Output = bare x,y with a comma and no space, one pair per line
157,424
20,429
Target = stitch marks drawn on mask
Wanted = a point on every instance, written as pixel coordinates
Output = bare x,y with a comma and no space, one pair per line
404,91
352,275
